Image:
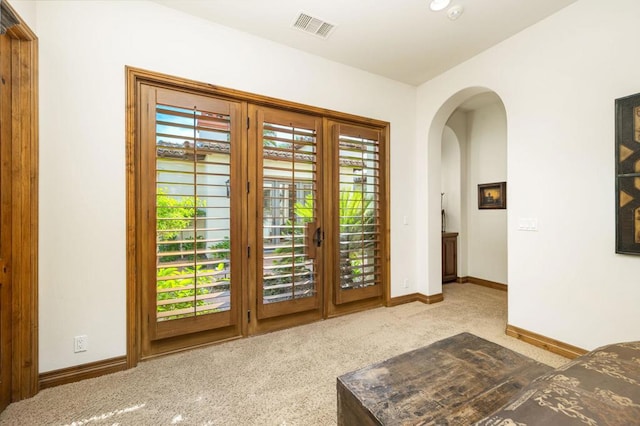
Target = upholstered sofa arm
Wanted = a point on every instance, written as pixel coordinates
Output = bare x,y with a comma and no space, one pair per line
601,387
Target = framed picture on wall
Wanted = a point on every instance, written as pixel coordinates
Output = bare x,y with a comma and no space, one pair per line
628,175
492,195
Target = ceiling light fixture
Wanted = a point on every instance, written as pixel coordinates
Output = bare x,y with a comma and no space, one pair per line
437,5
455,12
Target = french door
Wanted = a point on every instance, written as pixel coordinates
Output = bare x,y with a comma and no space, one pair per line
286,152
251,218
358,200
191,264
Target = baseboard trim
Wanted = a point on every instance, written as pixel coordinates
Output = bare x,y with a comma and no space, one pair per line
401,300
82,372
416,297
551,345
429,300
483,283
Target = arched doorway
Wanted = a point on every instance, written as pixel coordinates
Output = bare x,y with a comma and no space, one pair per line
467,146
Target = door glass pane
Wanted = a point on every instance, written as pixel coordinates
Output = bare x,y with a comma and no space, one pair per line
192,212
289,207
359,211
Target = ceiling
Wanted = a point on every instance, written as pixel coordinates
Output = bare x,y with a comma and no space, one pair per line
399,39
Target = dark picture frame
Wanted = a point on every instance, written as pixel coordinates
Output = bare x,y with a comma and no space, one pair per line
492,195
627,154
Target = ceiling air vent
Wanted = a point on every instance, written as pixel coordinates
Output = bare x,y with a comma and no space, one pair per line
312,25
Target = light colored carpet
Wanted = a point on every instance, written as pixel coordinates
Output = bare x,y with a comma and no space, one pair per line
282,378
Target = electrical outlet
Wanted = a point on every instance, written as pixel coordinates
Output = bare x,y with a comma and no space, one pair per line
80,343
406,283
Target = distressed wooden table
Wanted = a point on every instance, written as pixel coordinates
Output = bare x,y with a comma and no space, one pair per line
456,381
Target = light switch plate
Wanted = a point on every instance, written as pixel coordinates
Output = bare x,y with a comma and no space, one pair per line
527,224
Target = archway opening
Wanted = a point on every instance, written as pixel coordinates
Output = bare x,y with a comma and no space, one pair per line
468,147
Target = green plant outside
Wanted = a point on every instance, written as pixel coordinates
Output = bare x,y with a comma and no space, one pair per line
174,216
356,212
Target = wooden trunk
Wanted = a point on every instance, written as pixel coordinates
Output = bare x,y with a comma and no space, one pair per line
458,380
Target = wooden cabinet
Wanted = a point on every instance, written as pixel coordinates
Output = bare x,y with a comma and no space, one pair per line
449,256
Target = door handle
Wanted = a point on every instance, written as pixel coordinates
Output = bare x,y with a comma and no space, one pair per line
317,237
313,239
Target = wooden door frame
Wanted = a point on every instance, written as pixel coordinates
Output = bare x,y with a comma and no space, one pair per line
134,77
23,269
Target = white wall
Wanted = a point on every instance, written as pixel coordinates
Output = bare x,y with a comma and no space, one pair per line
457,124
84,47
487,163
558,80
27,11
451,184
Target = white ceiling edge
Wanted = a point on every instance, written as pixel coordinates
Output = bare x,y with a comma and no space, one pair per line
398,39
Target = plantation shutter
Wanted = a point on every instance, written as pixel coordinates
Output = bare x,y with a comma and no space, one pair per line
357,200
288,206
194,283
247,214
